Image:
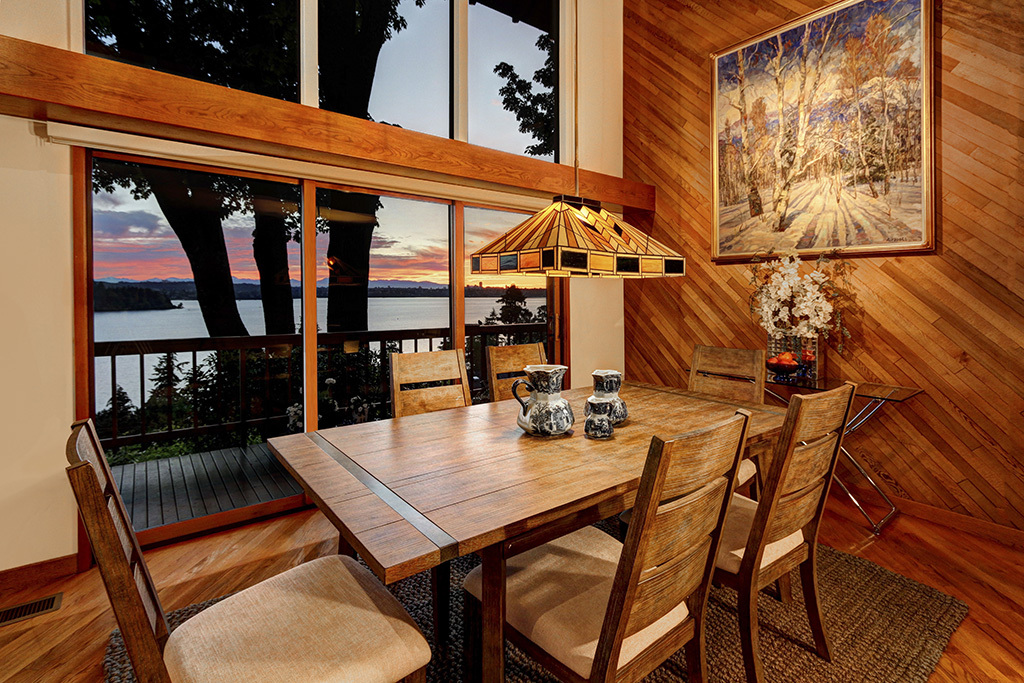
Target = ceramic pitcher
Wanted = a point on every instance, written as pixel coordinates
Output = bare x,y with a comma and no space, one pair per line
606,387
545,413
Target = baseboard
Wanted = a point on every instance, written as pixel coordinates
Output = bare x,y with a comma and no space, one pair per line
28,575
978,527
180,531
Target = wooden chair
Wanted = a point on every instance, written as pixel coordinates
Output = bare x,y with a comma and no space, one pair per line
766,540
428,368
592,609
734,374
325,620
505,365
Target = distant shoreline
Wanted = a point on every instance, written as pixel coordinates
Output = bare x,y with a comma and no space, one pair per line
131,295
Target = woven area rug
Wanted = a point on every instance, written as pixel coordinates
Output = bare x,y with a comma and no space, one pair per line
884,627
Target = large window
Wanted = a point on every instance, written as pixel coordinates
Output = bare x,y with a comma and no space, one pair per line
382,287
200,336
387,61
196,282
252,45
513,76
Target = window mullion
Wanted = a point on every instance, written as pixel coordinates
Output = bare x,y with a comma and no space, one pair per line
309,45
460,70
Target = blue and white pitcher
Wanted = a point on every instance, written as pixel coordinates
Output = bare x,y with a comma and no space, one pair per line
545,413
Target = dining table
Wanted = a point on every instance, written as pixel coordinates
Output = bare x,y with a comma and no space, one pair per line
411,493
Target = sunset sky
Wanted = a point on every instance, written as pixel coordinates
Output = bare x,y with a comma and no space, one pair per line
132,240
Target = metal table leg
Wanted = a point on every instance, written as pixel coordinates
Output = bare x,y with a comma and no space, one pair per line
865,413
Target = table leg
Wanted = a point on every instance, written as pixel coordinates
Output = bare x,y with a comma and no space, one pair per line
876,527
493,613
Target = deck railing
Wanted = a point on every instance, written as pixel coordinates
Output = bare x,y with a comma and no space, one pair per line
221,386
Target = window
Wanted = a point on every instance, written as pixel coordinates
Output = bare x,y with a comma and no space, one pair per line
196,282
382,287
198,326
513,76
387,62
252,46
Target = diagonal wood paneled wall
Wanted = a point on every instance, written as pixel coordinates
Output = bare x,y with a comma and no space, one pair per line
951,323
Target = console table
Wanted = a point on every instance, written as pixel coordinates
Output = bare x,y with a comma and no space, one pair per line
877,395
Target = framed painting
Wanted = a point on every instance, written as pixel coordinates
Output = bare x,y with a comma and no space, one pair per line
822,135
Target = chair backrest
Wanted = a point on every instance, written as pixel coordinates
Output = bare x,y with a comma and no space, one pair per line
735,374
800,471
129,585
505,365
429,367
669,553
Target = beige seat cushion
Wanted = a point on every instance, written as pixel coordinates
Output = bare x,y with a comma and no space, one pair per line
746,472
736,531
557,595
325,620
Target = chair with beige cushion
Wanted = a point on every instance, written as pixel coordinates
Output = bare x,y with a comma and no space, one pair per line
505,365
445,371
767,539
328,620
734,374
592,609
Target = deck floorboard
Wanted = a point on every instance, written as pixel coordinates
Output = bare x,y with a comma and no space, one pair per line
159,492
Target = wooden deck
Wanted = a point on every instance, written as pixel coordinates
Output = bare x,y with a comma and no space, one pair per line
171,490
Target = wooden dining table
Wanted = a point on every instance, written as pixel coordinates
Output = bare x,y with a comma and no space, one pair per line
411,493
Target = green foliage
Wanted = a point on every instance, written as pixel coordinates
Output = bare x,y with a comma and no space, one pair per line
536,110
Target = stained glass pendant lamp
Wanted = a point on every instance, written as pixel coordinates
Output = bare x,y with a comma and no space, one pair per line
574,236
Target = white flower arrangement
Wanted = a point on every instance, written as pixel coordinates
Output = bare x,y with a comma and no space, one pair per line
787,304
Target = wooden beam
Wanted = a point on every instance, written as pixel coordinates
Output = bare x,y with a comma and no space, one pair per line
50,84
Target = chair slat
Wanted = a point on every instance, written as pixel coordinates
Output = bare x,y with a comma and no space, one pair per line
663,589
793,512
683,523
417,401
699,458
810,462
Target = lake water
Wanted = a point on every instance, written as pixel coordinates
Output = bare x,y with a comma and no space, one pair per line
398,313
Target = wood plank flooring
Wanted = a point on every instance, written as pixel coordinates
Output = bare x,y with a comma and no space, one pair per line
172,490
68,645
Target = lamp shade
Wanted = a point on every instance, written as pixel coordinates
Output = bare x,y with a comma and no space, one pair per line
576,237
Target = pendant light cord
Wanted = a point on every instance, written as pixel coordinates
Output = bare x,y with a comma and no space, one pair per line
576,96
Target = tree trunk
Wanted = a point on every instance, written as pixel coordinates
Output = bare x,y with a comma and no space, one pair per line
746,157
192,209
348,260
270,250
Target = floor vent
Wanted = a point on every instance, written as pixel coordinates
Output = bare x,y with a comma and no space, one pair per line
27,610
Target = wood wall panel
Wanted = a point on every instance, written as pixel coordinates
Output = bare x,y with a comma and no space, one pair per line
951,322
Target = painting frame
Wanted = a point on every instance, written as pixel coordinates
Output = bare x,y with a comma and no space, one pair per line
925,143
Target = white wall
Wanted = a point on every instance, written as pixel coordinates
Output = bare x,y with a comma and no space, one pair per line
37,510
596,325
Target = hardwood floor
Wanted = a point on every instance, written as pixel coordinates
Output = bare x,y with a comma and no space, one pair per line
67,645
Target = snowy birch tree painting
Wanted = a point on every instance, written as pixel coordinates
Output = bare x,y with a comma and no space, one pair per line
822,136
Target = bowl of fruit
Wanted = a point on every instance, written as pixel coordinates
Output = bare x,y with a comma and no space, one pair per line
785,363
